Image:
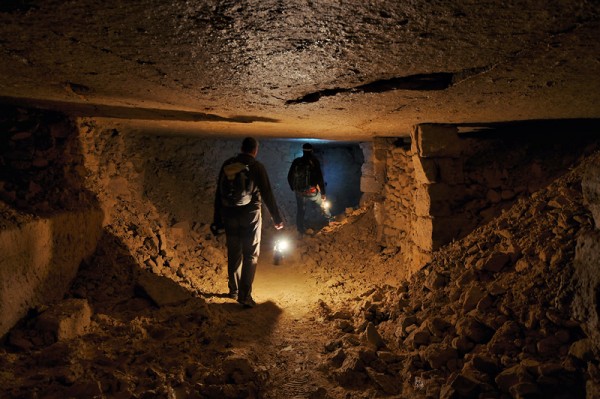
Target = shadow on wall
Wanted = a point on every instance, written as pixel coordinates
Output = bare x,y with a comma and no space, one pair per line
481,169
522,157
141,319
180,173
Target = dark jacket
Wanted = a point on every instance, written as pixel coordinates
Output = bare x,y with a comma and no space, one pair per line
316,175
262,191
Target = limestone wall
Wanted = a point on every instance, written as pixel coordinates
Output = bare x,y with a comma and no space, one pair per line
42,169
40,259
447,183
388,182
373,168
179,174
49,222
467,180
404,222
586,280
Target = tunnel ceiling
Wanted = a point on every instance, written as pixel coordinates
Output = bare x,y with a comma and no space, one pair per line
350,69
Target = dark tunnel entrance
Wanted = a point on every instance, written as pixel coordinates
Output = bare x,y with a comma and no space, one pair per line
341,164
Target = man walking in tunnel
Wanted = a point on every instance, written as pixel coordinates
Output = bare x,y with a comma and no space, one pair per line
306,180
242,185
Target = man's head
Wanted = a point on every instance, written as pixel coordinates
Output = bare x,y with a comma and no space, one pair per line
307,148
250,146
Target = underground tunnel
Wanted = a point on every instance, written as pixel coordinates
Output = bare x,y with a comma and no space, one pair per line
460,259
459,145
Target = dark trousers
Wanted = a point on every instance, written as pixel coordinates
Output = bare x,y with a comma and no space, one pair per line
301,202
242,230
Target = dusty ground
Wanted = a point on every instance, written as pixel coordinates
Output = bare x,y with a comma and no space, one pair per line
135,348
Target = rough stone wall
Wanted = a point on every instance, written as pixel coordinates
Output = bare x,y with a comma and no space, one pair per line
179,174
466,180
406,226
372,180
446,184
586,304
42,164
389,182
438,157
40,260
48,222
145,223
373,169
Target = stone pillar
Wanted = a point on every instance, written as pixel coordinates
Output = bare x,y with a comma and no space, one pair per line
371,181
440,184
373,170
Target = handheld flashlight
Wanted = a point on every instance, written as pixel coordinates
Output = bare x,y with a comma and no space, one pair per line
326,205
281,246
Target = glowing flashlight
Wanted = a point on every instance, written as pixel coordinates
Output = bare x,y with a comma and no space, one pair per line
326,204
281,246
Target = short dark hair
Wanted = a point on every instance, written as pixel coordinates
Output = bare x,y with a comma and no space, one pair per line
249,145
307,147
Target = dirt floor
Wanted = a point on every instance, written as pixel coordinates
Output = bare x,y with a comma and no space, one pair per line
489,317
203,342
286,331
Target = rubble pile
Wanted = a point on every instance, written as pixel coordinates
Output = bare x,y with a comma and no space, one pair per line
184,251
346,254
490,316
125,332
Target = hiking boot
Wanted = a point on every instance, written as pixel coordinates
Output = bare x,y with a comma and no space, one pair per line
232,294
248,302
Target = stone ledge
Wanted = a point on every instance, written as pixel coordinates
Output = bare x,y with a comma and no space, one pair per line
41,258
66,320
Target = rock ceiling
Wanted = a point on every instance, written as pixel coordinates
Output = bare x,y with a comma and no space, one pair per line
332,69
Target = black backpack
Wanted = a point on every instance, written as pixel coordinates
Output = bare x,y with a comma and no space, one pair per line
301,175
235,184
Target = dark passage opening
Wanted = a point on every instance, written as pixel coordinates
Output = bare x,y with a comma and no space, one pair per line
342,165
